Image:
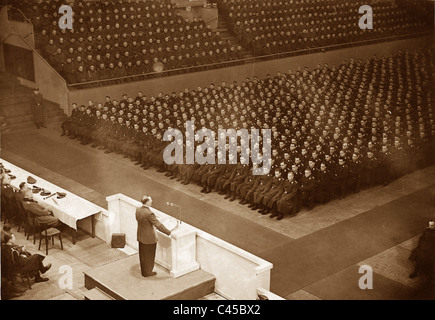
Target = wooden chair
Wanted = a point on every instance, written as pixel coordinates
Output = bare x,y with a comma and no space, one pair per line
9,210
48,233
31,226
23,275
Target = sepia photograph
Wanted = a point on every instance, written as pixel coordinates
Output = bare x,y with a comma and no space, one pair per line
217,154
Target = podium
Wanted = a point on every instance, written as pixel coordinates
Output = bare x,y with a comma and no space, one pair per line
176,253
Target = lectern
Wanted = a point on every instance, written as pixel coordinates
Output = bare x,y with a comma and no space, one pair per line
177,253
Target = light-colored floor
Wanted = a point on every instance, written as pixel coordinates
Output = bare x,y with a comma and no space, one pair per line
391,266
392,263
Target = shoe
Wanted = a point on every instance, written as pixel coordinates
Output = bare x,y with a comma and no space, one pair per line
47,267
137,163
227,196
94,145
232,199
264,213
40,279
108,151
279,218
151,274
273,215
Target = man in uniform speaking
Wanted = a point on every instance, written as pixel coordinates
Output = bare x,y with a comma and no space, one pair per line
146,236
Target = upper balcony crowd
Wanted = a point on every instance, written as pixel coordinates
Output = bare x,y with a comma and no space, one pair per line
121,38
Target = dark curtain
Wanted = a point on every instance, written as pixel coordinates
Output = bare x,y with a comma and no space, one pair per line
19,62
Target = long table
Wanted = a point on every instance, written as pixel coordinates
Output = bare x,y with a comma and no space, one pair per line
68,209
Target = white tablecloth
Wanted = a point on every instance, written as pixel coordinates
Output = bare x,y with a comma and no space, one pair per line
69,209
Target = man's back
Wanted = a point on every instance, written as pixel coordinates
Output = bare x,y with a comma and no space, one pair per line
146,221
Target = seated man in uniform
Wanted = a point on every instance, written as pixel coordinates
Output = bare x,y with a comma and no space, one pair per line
42,215
307,189
8,204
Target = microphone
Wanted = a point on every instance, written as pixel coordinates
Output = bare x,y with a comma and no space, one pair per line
179,211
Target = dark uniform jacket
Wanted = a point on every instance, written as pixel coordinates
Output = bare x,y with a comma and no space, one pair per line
146,221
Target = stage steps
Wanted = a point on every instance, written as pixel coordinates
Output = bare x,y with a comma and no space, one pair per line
96,294
122,280
15,104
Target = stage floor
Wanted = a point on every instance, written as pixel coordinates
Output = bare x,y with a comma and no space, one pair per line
378,226
123,281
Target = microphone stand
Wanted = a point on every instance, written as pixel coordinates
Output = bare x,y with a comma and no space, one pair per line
178,217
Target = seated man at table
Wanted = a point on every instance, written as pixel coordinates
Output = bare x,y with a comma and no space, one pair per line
41,214
19,195
8,207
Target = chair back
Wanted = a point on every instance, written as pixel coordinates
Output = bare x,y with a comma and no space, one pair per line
41,226
22,214
30,218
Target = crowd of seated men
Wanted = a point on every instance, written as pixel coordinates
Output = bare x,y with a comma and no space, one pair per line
19,207
119,38
335,129
276,26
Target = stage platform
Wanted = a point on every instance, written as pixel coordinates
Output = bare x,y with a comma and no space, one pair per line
122,280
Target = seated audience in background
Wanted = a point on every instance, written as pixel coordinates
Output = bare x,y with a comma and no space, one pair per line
331,120
111,39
